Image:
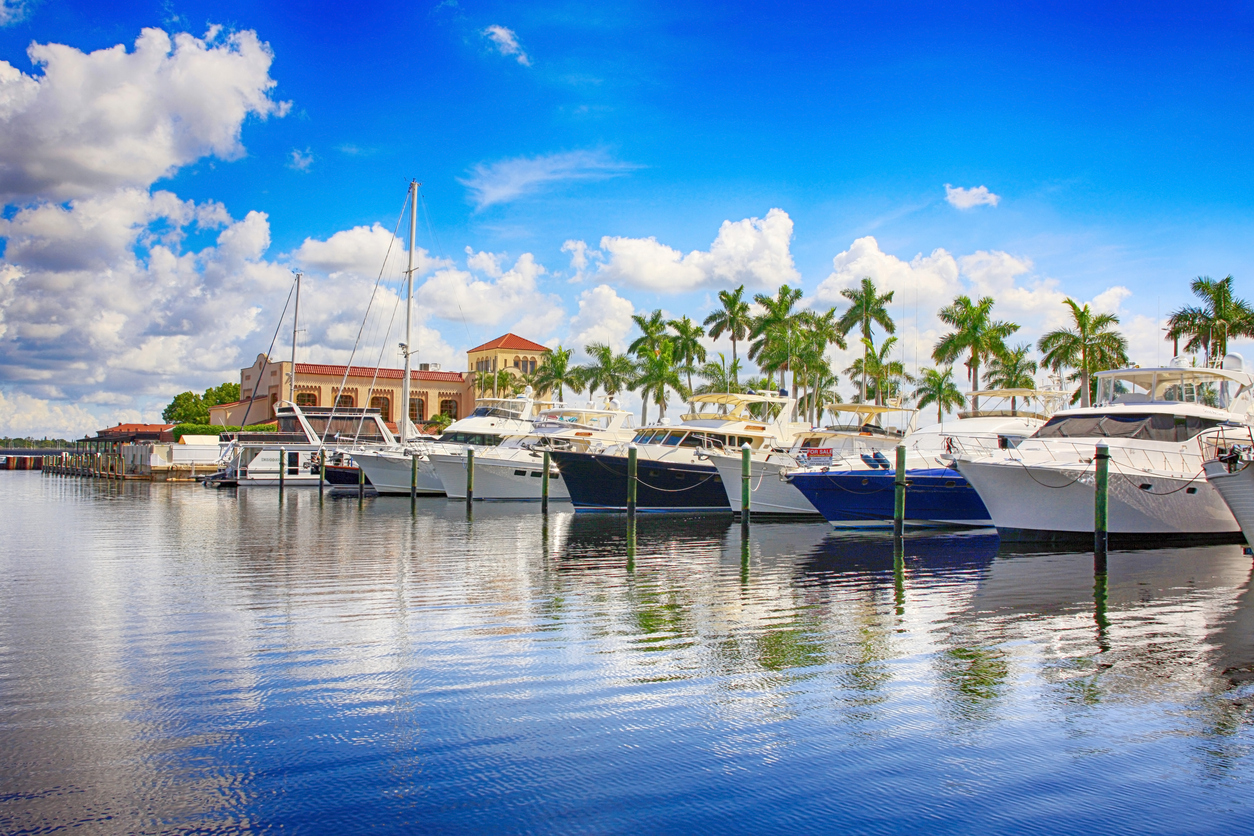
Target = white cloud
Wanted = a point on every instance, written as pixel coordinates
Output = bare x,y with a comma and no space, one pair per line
111,118
578,254
604,317
361,251
753,251
12,11
300,160
506,42
460,296
969,198
23,415
507,180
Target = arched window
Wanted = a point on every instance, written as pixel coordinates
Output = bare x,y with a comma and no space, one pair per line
306,398
417,410
345,401
384,405
517,363
449,408
532,370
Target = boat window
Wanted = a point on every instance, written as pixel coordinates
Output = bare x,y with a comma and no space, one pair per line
1152,427
693,440
673,438
642,437
490,412
812,441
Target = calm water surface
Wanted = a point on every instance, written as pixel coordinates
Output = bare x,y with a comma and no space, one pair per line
174,659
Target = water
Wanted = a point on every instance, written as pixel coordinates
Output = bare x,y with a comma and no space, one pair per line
174,659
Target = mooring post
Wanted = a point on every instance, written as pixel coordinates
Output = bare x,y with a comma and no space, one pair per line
361,483
413,481
631,482
322,473
470,474
1101,508
544,484
282,470
746,485
899,493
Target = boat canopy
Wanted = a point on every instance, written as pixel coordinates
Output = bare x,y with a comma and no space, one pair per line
1172,384
734,406
1007,406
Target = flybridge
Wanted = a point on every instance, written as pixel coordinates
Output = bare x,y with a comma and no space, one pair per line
1224,388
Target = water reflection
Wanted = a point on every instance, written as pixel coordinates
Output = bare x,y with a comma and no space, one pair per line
180,659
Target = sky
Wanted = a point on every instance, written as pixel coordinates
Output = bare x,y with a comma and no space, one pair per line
166,166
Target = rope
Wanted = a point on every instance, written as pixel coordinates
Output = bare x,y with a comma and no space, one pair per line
654,487
1200,473
1051,487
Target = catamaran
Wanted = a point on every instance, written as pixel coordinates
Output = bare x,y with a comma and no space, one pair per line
1149,419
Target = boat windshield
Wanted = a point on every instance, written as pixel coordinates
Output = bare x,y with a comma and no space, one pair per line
1146,427
1181,386
494,412
483,439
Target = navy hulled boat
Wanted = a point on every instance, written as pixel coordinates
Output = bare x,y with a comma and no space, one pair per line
936,496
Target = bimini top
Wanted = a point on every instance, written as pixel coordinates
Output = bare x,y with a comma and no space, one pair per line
1225,388
732,406
1049,399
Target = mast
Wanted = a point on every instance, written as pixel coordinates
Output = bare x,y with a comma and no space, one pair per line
403,420
291,386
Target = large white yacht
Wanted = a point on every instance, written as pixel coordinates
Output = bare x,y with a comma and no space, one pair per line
390,469
1150,420
861,433
1228,459
670,475
512,470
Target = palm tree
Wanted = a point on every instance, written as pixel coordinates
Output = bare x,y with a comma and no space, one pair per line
774,331
687,341
976,333
657,374
653,333
818,331
879,366
938,387
1209,325
822,393
609,371
731,319
718,377
1013,369
557,373
1091,346
868,308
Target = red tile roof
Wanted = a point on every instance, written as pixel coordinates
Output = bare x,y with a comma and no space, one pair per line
138,428
510,342
383,374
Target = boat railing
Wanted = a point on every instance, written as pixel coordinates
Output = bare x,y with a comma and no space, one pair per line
1220,442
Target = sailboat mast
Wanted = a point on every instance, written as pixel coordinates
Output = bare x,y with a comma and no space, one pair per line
403,419
291,386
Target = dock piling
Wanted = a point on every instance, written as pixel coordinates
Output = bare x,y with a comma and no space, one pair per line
322,472
1101,507
282,470
631,481
413,481
544,484
899,494
746,485
361,484
470,474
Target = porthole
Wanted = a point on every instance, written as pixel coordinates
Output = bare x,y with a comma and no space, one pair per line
866,481
949,483
1190,490
520,473
1145,486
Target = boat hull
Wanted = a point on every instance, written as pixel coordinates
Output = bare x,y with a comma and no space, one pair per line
1236,489
769,492
498,479
1034,502
390,473
597,482
935,497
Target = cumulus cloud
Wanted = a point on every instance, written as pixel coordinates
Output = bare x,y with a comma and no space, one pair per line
22,415
111,118
362,251
459,295
604,317
969,198
507,180
506,42
11,11
300,160
754,251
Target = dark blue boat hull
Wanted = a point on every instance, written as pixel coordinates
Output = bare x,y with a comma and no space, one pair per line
864,498
599,483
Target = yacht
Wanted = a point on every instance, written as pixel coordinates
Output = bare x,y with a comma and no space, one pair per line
857,490
863,432
390,468
512,470
1150,419
1228,460
670,474
254,458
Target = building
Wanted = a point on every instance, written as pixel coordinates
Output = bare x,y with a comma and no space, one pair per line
432,391
131,433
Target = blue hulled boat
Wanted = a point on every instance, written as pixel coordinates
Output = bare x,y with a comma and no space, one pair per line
936,496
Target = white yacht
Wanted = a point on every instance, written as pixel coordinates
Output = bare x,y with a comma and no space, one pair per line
512,470
670,475
1228,459
1150,419
865,431
255,458
493,420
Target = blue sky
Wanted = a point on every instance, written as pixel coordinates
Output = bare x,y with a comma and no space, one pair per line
1114,142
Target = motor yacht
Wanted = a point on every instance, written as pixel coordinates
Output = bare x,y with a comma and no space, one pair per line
671,475
857,490
1150,419
1228,460
512,470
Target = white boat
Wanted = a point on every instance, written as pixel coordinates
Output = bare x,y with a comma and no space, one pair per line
1150,419
390,469
513,470
868,429
1228,459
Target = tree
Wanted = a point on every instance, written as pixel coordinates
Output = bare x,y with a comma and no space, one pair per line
822,393
1013,369
502,382
882,369
732,318
652,333
718,377
1091,346
1209,325
976,333
609,371
868,308
938,387
186,408
774,331
818,331
657,374
557,373
687,341
223,393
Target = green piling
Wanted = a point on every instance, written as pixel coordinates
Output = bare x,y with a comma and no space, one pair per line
746,485
470,474
899,493
413,481
631,481
544,484
1101,505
